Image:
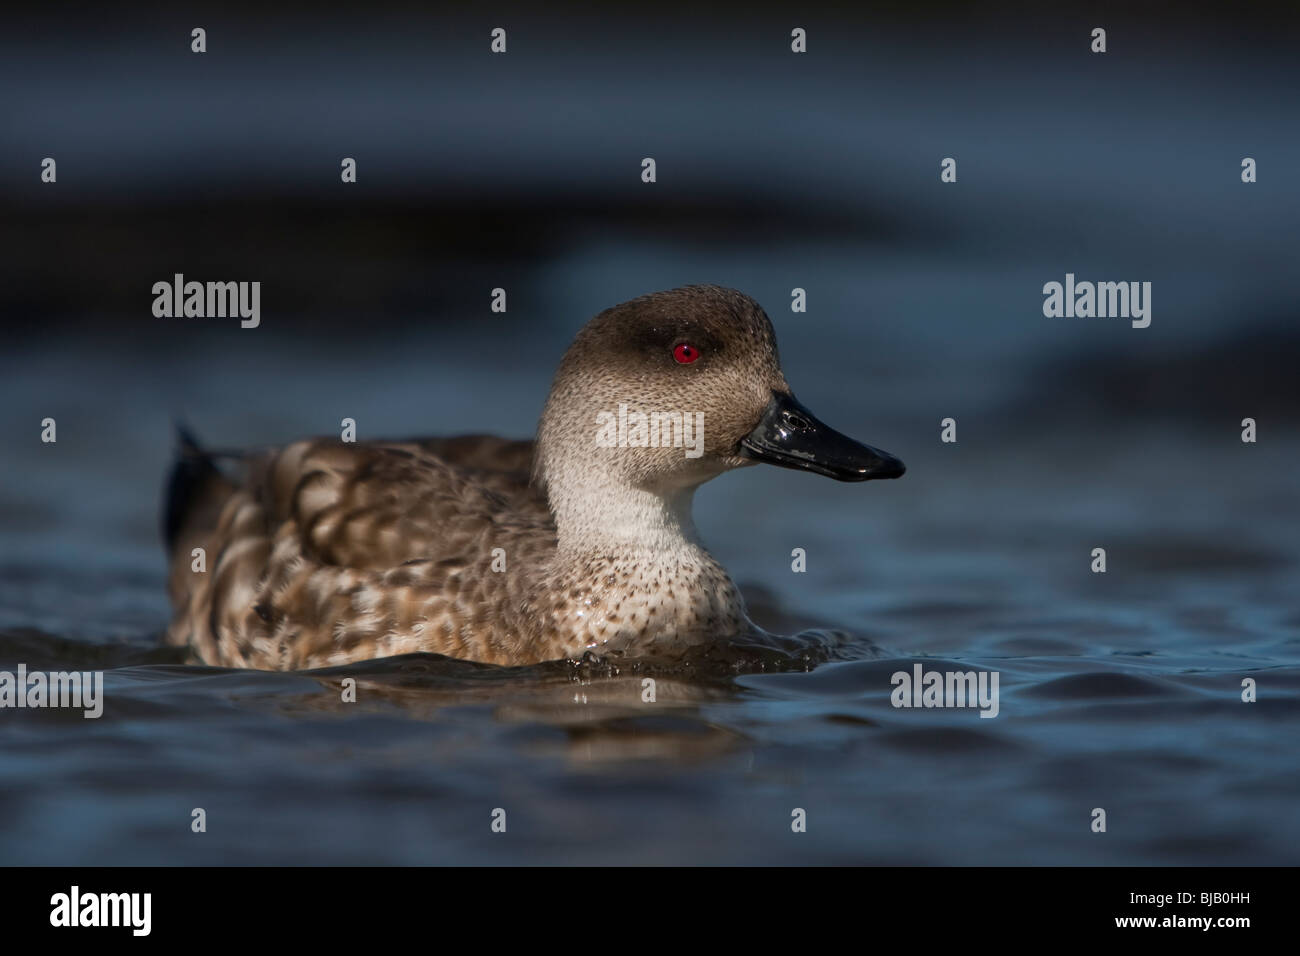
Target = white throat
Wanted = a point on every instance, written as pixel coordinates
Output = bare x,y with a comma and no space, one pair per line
594,511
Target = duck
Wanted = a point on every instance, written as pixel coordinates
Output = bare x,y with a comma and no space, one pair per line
326,552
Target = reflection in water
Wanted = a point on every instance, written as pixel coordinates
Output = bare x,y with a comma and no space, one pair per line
611,708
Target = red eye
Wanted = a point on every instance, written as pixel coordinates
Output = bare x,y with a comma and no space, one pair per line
686,353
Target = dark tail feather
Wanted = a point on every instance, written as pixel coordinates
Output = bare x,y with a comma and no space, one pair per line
191,474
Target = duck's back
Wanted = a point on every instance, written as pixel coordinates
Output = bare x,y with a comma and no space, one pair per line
328,552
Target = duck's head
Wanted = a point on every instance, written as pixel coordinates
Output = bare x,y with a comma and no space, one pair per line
670,389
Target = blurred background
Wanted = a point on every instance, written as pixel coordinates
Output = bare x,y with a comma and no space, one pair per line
774,171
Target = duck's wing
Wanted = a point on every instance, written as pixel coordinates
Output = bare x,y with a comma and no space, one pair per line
374,506
368,505
481,453
327,549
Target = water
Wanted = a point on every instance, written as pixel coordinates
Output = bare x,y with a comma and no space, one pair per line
1119,690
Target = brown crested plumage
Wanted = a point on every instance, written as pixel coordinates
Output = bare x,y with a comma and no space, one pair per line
334,552
324,552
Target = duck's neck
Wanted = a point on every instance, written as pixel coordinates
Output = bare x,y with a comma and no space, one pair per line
629,572
596,513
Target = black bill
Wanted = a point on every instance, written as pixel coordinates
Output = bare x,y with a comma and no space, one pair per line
791,436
